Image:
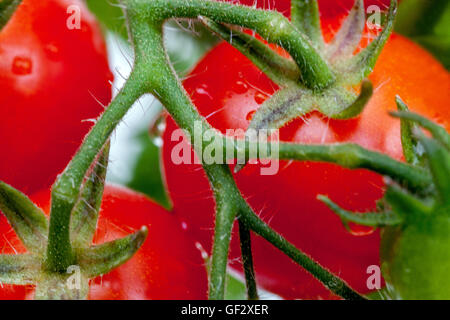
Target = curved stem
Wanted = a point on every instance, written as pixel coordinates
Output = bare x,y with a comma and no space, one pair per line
225,214
271,25
167,88
247,261
349,155
65,191
353,156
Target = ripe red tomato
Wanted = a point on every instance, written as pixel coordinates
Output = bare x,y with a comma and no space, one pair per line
167,266
328,8
287,201
52,79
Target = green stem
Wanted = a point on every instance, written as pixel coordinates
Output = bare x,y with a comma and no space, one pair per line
271,25
166,87
247,261
353,156
66,189
225,215
306,17
350,156
332,282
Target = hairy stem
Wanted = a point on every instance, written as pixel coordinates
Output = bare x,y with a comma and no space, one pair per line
332,282
65,191
271,25
247,261
165,85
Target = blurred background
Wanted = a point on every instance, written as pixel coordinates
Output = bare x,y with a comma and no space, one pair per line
136,143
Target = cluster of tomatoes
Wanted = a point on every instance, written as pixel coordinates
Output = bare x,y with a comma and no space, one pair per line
53,79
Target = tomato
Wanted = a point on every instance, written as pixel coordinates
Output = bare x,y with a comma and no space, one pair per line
167,266
227,89
52,81
416,258
328,8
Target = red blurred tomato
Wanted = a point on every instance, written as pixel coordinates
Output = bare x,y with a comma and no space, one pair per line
287,201
328,8
53,79
167,266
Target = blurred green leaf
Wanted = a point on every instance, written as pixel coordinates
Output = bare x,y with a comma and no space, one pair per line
235,289
147,176
110,14
427,22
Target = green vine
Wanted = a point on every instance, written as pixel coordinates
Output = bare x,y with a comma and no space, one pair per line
312,73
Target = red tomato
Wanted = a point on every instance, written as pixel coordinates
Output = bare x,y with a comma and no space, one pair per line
287,201
328,8
52,81
167,266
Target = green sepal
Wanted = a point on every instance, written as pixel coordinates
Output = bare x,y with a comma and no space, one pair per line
403,203
279,69
438,132
412,150
349,35
357,106
27,220
7,9
19,269
358,67
101,259
370,219
439,163
284,105
305,17
85,214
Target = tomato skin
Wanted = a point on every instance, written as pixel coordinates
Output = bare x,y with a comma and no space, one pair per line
328,8
50,80
167,266
287,200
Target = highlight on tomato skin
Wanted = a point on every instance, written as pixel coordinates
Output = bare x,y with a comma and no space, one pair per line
167,266
287,201
54,80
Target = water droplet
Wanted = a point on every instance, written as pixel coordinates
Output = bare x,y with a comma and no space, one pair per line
360,231
250,115
260,97
203,90
158,141
52,51
22,66
240,87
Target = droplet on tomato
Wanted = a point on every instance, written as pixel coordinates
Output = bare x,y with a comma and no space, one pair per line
22,66
360,231
250,115
52,51
203,90
240,87
260,97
